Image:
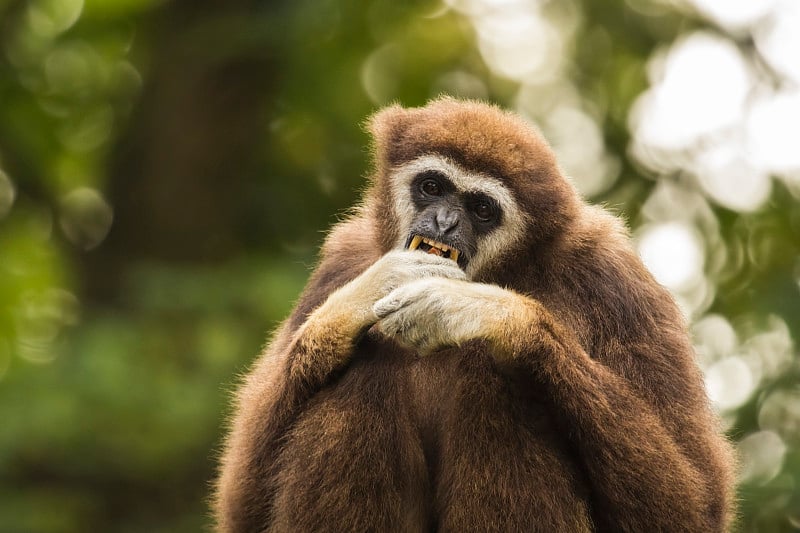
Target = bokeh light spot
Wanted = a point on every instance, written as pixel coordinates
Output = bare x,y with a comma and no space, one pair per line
578,143
89,130
761,455
39,320
85,217
772,346
673,251
715,338
519,44
380,73
729,383
516,39
773,131
461,84
778,39
7,194
71,68
780,412
734,14
699,87
48,18
727,177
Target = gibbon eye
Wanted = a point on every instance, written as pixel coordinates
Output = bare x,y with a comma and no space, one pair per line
484,211
430,187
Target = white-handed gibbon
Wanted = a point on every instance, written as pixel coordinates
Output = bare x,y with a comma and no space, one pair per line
477,350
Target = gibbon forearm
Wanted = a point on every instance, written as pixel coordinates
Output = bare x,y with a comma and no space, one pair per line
642,478
633,462
293,373
296,364
296,367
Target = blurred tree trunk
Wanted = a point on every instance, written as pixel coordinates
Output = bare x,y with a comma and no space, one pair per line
177,169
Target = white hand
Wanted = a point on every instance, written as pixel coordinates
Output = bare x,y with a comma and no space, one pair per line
431,313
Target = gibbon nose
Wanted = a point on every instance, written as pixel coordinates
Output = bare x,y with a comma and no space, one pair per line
447,219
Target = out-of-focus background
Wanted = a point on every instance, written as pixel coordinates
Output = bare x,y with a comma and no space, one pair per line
168,170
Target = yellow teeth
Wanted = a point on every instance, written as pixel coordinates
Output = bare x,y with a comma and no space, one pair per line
442,247
434,247
435,244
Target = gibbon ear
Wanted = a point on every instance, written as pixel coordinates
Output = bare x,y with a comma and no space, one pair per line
387,127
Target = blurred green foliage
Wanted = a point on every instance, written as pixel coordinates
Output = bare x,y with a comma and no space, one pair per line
167,170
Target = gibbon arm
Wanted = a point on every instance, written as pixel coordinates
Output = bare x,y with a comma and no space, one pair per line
642,477
294,368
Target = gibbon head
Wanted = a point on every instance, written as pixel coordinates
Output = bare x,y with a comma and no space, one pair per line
465,180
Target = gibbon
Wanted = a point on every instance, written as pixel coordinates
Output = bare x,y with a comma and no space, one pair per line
477,350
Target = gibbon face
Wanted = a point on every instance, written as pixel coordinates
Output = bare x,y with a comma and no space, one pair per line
448,211
477,184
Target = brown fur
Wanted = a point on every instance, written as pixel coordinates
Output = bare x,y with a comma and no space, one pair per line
584,413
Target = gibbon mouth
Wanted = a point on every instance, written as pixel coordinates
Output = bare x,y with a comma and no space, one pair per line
430,246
